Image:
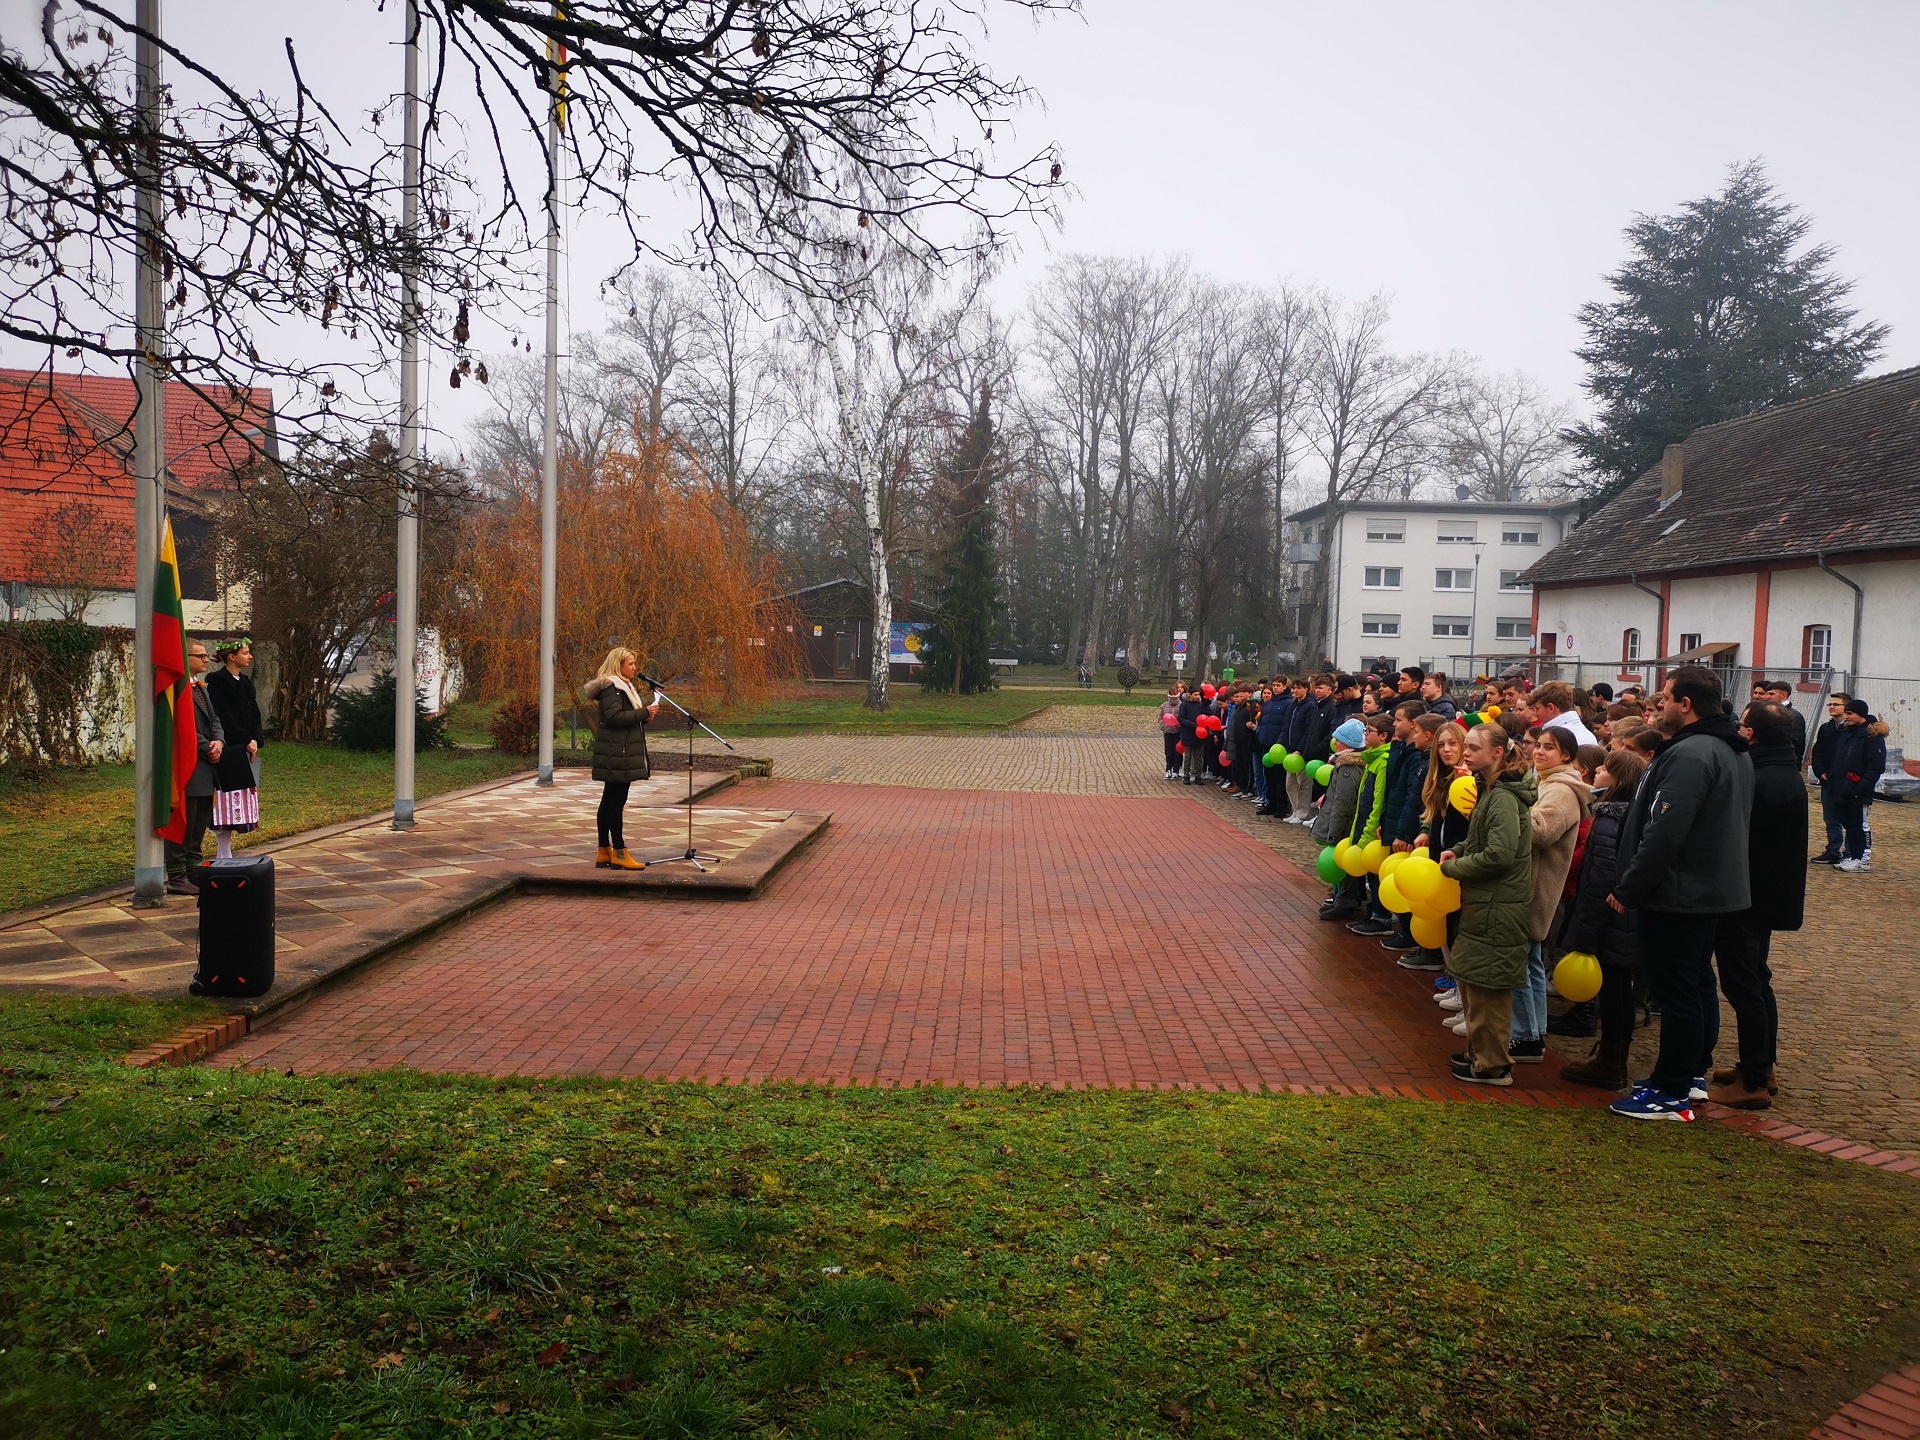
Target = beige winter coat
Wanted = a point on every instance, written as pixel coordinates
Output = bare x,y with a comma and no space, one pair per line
1555,817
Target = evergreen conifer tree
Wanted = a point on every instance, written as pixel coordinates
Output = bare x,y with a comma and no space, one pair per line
1714,316
966,581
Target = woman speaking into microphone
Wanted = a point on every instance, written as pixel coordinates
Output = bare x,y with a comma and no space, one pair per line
619,750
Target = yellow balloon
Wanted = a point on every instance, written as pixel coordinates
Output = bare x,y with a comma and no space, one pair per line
1577,976
1419,880
1373,853
1340,847
1430,933
1448,900
1463,794
1391,897
1422,852
1354,862
1391,863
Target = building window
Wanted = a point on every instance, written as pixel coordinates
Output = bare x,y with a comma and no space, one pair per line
1386,626
1389,530
1508,628
1383,577
1510,580
1450,627
1458,532
1689,641
1453,579
1630,647
1818,645
1520,535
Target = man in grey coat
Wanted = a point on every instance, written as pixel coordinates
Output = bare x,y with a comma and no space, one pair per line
183,857
1683,864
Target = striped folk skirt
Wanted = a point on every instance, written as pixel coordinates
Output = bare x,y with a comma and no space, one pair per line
236,809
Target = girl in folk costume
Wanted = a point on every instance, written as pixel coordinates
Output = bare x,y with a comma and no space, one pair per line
236,774
619,751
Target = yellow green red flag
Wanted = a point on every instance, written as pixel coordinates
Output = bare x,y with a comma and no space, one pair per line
175,744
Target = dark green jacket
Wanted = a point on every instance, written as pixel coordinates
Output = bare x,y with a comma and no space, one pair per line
620,739
1494,866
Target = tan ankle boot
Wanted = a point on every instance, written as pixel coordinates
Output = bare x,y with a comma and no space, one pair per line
623,861
603,858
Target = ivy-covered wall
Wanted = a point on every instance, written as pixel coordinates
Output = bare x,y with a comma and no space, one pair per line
66,693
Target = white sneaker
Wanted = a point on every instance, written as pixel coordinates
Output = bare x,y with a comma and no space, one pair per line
1451,1000
1458,1024
1854,867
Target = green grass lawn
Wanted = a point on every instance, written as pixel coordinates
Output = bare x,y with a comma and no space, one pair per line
200,1253
843,709
73,830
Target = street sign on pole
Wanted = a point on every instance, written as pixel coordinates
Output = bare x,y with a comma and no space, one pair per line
1179,649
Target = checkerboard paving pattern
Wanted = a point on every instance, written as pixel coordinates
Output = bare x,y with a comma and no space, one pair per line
359,875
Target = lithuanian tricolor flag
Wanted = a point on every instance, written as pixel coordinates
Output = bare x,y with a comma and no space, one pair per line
175,745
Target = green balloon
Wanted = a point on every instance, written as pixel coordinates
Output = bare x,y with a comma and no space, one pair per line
1274,756
1295,762
1323,774
1328,868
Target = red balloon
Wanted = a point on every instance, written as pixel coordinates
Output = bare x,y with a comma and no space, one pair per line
1179,747
1207,690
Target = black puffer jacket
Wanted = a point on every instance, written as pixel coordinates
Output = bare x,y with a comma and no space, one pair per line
620,742
1859,760
1594,927
1777,840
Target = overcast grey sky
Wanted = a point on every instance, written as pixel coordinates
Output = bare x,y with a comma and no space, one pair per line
1477,161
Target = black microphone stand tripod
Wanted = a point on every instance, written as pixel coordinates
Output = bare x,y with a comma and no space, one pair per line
694,856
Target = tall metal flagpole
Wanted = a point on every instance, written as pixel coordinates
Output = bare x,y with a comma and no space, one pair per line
406,589
550,441
149,858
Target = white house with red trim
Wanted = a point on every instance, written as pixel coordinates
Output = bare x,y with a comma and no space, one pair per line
1785,543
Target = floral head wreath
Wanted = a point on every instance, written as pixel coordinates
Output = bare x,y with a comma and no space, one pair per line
228,648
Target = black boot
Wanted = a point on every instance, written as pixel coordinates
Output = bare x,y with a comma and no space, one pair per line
1582,1022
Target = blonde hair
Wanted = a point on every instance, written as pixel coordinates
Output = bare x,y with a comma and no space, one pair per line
1512,761
1433,794
616,657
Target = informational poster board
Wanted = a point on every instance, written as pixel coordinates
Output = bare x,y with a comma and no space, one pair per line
904,642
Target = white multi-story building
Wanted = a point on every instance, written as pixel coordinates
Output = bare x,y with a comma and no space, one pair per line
1421,581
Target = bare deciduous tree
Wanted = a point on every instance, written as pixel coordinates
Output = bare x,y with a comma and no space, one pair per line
1501,438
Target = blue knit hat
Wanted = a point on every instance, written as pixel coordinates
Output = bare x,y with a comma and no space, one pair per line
1352,734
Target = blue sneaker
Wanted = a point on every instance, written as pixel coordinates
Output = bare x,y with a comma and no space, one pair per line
1650,1104
1699,1090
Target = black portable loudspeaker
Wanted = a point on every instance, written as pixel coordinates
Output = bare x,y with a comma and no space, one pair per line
236,927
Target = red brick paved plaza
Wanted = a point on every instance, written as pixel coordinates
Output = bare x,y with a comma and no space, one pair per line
954,936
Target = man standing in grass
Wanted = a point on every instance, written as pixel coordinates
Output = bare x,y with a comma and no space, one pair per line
1683,865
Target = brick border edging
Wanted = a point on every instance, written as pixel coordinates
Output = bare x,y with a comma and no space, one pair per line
194,1043
1889,1410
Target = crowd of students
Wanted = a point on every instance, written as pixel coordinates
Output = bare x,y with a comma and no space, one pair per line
1664,835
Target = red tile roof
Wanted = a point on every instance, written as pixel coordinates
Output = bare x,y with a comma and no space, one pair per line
73,439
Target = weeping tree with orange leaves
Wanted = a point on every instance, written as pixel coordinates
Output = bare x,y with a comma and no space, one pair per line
650,557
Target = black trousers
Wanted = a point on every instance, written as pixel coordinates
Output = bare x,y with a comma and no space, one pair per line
1747,982
1172,738
1616,1005
184,857
1677,950
611,818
